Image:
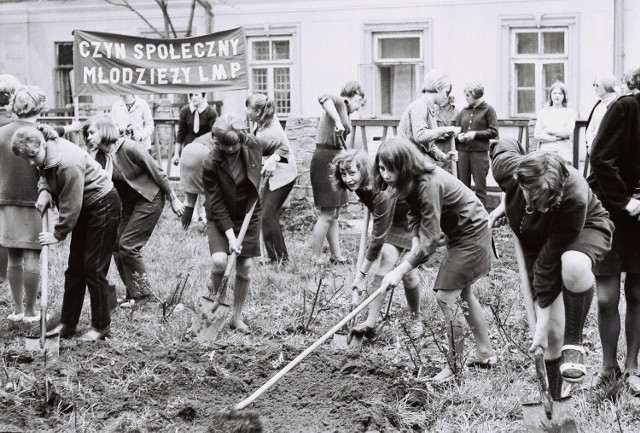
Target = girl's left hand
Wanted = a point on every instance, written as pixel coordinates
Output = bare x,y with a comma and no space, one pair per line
269,167
177,206
47,238
392,279
453,155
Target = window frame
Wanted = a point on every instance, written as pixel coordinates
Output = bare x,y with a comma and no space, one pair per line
274,32
370,74
540,24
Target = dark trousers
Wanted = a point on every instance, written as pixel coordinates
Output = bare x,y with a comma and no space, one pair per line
474,164
271,231
139,219
90,251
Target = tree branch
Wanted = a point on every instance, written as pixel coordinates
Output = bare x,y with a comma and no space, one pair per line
125,4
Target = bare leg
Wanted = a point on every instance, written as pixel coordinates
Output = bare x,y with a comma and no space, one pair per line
15,275
608,293
333,237
31,281
475,318
243,280
453,322
326,219
632,320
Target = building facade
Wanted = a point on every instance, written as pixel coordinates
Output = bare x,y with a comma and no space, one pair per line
299,49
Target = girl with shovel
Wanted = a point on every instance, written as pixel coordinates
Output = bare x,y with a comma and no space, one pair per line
439,202
390,238
89,210
231,177
142,186
564,231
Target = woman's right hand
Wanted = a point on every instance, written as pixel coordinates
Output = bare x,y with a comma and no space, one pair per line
497,217
633,207
44,201
233,245
339,129
453,155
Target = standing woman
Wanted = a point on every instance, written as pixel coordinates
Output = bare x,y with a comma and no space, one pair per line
231,178
333,129
8,85
262,111
419,123
19,219
564,232
390,238
142,186
440,203
196,120
89,210
555,124
479,124
615,179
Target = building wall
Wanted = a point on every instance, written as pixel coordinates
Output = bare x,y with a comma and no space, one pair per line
465,37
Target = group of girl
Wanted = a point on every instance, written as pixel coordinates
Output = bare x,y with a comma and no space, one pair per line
564,228
566,232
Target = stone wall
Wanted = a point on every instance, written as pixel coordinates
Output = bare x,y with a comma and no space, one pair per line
301,132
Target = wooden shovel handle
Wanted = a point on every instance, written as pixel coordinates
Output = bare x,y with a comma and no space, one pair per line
525,286
44,280
243,231
246,402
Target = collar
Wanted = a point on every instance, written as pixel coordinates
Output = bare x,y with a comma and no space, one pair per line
200,108
52,155
481,104
608,98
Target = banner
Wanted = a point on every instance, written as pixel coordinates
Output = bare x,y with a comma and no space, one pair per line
107,63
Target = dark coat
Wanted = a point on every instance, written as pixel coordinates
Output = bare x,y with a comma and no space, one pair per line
219,184
545,236
615,154
186,134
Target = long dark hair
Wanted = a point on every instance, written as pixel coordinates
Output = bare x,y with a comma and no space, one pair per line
403,158
543,175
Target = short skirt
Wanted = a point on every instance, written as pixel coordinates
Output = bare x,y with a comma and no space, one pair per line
324,194
624,255
465,260
250,245
399,236
191,159
20,227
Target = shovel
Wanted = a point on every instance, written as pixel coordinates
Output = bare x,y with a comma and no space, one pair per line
341,338
213,310
547,415
246,402
50,343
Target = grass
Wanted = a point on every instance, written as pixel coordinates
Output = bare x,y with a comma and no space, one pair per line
150,376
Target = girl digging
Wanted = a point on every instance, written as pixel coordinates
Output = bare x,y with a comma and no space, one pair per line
390,238
261,110
89,210
333,128
438,202
564,231
231,178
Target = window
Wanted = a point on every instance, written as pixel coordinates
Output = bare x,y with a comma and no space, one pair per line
63,75
63,70
539,57
395,56
270,63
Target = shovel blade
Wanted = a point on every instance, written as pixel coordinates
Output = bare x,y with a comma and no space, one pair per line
210,319
340,341
536,420
51,345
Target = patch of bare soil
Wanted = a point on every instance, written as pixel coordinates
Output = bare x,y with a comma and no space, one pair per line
191,387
